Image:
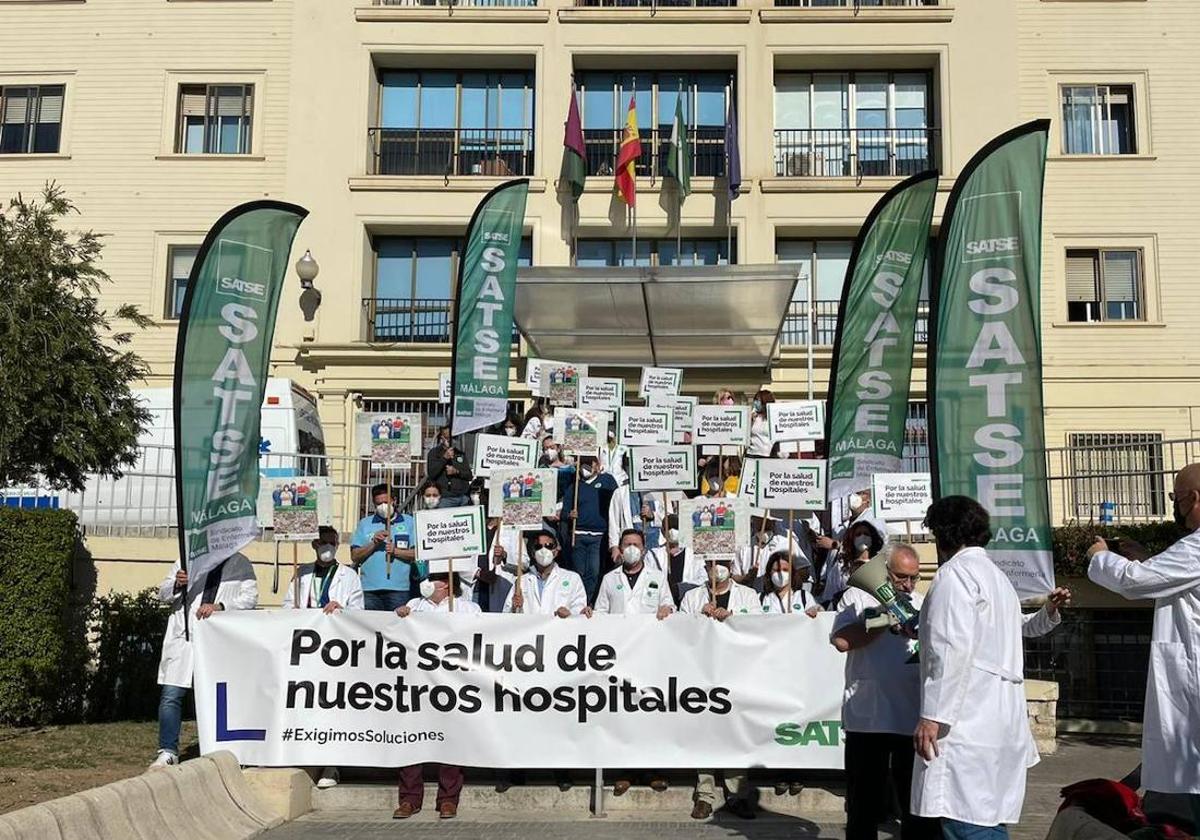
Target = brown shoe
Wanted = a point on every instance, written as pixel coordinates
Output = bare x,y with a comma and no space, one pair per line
447,811
406,810
658,785
621,786
701,811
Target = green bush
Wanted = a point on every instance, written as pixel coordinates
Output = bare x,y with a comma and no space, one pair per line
1071,541
40,648
127,633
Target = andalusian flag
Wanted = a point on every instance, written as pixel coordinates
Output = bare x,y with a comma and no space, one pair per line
574,164
627,157
679,155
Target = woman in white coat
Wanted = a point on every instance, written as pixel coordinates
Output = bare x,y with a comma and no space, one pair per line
326,584
548,589
230,586
784,590
973,741
1171,726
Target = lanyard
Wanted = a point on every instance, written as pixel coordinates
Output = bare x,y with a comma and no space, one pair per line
324,588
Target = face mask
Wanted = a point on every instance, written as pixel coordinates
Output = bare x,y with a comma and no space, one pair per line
722,573
432,501
631,555
861,543
544,556
510,431
326,553
673,536
856,501
427,589
763,537
586,472
474,498
383,511
551,453
727,401
780,579
758,406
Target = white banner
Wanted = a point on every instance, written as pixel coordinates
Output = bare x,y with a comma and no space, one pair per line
798,420
296,688
897,497
662,468
721,425
660,381
501,452
598,393
646,426
789,484
450,532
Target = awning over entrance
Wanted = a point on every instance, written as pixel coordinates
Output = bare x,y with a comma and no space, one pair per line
677,316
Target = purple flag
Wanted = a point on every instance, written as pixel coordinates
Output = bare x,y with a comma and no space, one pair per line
733,157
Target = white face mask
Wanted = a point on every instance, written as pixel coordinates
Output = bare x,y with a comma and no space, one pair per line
474,498
432,501
780,579
510,431
551,453
427,589
673,536
722,573
856,501
861,543
631,555
326,553
544,556
383,511
586,472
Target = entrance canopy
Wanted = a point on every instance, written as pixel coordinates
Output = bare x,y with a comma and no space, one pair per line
670,316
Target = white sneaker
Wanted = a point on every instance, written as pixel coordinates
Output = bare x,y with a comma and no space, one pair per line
166,758
329,778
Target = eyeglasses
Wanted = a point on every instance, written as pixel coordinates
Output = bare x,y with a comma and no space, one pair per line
900,578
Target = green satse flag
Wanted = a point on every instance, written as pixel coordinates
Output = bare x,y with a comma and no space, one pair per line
221,364
483,322
986,426
872,358
679,153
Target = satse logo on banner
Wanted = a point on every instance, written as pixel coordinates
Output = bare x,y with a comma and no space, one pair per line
450,532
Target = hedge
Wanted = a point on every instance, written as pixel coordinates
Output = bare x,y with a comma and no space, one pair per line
42,648
1071,541
127,632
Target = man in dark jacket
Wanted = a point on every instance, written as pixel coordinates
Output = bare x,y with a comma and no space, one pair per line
447,468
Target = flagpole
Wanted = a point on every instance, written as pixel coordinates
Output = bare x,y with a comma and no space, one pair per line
729,179
633,207
678,185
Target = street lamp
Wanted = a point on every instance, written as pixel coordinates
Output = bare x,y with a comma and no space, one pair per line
307,270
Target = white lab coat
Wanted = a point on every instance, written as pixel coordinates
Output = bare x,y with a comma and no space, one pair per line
742,599
649,593
613,462
345,588
461,605
760,437
238,591
773,603
694,573
562,588
1171,724
972,681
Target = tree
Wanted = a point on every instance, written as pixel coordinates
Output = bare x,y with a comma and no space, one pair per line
66,408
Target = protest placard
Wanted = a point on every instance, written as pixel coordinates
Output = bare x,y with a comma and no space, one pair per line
562,382
598,393
714,528
390,440
522,498
538,385
660,381
580,432
295,506
747,482
444,388
450,532
645,426
684,409
493,452
899,497
662,468
789,484
721,425
796,420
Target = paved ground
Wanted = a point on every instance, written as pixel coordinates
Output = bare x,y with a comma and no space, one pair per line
1078,758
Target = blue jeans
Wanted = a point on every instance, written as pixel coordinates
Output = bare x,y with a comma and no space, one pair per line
585,557
385,600
955,830
170,717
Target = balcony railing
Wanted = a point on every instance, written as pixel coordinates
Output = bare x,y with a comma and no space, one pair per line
855,4
858,152
411,320
472,4
823,320
451,151
707,143
659,4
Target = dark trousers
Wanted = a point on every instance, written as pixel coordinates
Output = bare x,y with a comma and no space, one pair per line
412,784
871,760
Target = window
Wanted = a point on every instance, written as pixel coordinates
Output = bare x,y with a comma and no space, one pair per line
31,119
1104,285
414,279
439,122
1098,120
179,266
619,252
866,123
214,119
604,104
1117,475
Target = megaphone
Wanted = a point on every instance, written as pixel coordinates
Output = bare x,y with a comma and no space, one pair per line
898,611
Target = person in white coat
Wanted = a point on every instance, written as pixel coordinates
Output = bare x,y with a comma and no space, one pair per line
328,586
785,588
1171,725
973,741
229,586
549,589
684,571
751,559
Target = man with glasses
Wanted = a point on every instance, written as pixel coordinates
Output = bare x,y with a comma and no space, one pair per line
880,706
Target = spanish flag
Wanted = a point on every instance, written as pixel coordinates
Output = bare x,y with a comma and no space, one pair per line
627,157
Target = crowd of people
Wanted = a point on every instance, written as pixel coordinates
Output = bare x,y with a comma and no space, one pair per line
941,738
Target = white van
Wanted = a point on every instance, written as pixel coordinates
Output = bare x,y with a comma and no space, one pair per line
145,496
